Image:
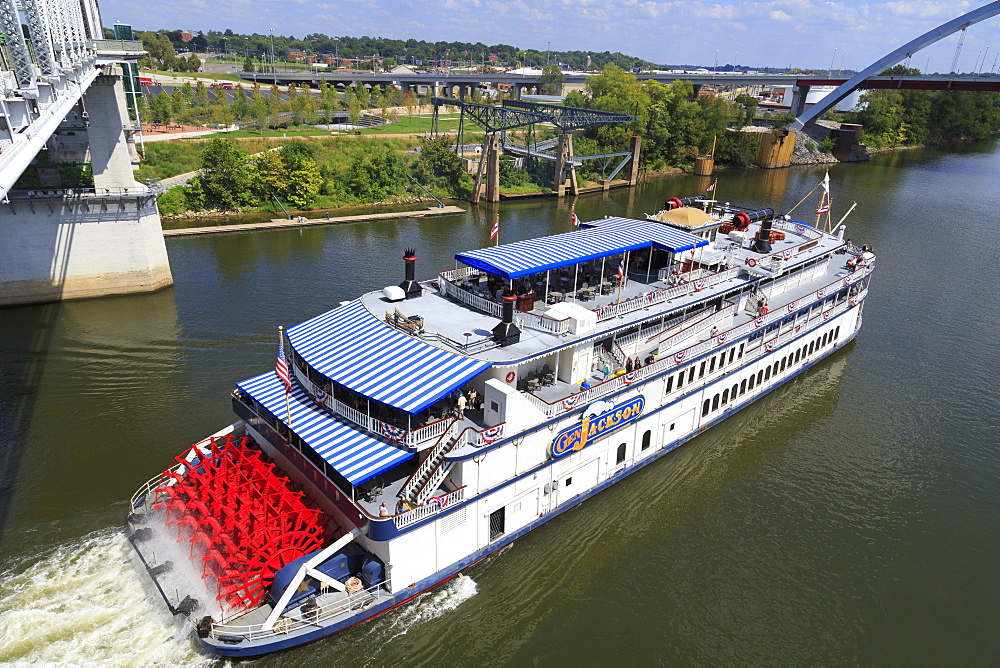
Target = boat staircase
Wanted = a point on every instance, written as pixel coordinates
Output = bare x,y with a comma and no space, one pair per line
432,471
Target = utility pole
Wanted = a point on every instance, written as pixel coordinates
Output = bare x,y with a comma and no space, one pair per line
274,65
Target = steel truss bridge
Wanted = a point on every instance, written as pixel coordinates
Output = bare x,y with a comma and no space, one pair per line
516,114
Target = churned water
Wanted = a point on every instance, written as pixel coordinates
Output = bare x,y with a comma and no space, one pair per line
852,516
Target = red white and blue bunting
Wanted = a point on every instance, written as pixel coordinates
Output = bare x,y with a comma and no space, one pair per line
854,301
319,394
631,377
793,305
787,254
820,293
848,279
395,434
679,356
570,402
722,338
492,434
759,321
700,284
770,345
441,501
827,314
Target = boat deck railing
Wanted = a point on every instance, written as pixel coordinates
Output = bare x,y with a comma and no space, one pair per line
616,383
317,617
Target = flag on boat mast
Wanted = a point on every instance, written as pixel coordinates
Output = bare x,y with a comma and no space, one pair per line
495,232
712,187
574,218
825,208
826,183
281,370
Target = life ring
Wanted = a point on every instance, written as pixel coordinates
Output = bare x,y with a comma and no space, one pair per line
510,377
751,262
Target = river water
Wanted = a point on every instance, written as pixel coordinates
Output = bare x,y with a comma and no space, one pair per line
853,516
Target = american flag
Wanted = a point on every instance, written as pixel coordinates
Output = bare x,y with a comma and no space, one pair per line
496,230
823,209
621,268
575,219
711,187
281,366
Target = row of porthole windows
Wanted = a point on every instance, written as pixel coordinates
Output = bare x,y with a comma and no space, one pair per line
707,366
763,375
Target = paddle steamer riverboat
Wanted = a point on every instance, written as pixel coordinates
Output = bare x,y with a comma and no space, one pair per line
406,434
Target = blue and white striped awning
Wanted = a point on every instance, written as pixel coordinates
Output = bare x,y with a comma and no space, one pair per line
352,347
604,238
353,454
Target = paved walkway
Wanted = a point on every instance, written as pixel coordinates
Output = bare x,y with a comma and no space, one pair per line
282,223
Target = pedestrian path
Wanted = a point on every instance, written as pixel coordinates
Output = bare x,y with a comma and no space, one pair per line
282,223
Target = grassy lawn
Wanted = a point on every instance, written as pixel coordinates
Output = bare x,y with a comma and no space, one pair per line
421,124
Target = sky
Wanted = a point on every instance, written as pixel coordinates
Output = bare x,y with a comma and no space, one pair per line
816,34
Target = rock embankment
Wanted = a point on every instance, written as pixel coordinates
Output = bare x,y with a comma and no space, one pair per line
807,145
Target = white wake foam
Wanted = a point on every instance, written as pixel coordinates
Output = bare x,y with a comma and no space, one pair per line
87,602
433,604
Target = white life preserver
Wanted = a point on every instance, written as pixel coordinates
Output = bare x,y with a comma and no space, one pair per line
751,262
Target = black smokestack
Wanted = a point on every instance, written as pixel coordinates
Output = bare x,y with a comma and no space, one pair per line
762,241
507,333
410,285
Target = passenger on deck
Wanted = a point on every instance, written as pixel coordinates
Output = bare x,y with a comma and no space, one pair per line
460,404
637,365
383,510
585,385
628,365
714,333
650,359
606,370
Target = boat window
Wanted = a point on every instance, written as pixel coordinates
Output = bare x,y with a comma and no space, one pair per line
725,397
498,523
646,438
798,355
733,392
715,402
569,481
825,339
621,454
751,383
811,348
767,374
774,369
743,387
784,361
732,353
701,369
740,356
760,376
680,380
706,407
670,384
711,366
691,376
836,333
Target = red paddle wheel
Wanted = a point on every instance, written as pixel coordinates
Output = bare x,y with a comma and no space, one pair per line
241,517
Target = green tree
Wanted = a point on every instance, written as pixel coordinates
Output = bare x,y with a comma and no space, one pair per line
438,165
552,80
226,178
375,176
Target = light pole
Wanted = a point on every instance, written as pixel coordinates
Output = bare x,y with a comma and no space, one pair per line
548,52
336,51
274,65
832,60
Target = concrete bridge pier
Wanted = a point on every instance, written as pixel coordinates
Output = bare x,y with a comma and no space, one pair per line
799,94
58,244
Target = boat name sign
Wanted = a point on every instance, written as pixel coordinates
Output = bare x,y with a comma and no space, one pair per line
575,438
